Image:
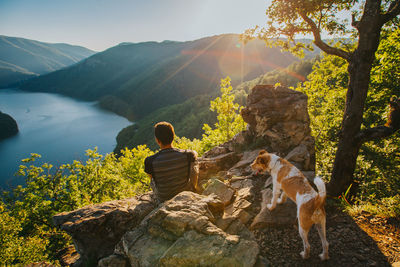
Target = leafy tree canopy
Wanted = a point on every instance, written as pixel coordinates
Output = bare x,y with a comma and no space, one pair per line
291,19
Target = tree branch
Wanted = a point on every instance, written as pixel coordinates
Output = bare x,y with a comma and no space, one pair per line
392,12
392,125
318,41
375,133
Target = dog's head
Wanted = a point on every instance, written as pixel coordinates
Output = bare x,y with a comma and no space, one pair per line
261,163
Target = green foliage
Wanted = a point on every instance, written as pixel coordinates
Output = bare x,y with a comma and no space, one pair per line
16,249
326,90
185,143
49,191
288,20
388,207
378,164
229,122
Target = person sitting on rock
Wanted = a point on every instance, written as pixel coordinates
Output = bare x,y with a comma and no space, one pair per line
171,170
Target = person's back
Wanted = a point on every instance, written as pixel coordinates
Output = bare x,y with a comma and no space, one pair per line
171,170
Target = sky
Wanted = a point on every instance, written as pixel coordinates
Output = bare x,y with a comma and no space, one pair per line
100,24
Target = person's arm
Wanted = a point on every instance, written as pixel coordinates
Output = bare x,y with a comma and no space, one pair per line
194,176
194,173
152,184
148,170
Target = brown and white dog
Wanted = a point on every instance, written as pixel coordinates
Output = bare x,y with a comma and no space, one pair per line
293,183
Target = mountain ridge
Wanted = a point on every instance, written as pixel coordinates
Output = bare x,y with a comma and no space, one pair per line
22,59
143,77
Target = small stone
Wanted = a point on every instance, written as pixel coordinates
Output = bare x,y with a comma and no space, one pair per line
223,191
243,216
241,204
234,239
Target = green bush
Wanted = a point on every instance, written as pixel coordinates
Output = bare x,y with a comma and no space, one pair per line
378,165
26,229
229,122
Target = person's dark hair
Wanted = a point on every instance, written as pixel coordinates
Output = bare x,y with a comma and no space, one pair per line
164,132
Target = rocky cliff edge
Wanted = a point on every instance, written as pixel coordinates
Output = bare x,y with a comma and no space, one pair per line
213,228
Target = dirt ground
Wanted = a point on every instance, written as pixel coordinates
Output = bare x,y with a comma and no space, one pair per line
364,240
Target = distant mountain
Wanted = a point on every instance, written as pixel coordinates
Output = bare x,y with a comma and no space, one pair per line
135,79
21,59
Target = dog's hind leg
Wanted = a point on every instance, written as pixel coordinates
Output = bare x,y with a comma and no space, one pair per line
275,194
322,234
282,198
304,236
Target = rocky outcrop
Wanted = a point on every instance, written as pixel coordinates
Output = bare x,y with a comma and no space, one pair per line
96,229
211,229
278,117
8,126
184,232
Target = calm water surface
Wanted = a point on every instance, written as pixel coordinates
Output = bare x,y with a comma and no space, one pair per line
57,127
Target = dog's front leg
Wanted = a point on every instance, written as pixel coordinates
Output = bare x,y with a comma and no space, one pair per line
275,194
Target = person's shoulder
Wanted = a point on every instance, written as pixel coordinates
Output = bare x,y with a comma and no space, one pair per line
190,153
152,157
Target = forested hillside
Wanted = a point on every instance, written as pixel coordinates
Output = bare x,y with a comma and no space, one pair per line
22,59
188,117
134,80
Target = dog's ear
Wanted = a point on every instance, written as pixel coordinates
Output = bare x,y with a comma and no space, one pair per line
264,160
262,152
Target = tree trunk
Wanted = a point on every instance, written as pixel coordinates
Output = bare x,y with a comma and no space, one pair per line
360,65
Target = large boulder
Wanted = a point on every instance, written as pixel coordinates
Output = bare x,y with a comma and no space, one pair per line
96,229
213,164
183,232
278,117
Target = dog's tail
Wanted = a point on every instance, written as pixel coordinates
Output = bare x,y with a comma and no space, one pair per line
321,190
